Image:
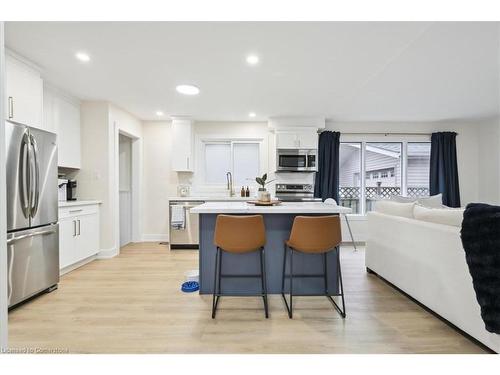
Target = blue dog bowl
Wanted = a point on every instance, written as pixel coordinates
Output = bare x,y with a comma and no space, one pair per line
190,286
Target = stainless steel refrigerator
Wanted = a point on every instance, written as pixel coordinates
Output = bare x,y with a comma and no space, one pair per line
32,212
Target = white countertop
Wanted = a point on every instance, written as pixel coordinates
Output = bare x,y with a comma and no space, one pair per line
283,208
77,203
208,198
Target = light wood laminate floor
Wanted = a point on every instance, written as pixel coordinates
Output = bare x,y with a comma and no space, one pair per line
132,304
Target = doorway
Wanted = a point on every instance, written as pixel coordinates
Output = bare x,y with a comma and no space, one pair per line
125,188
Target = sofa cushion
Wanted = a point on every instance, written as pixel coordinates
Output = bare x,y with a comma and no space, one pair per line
446,216
389,207
434,201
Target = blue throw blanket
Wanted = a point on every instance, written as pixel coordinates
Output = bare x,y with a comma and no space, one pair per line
481,241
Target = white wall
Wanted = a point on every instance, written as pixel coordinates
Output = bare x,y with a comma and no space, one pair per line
3,214
99,176
160,181
122,122
94,177
489,161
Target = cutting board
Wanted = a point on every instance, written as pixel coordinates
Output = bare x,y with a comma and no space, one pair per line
261,203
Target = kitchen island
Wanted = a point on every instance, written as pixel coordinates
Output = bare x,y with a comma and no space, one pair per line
278,221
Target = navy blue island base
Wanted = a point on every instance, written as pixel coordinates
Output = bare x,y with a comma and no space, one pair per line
278,226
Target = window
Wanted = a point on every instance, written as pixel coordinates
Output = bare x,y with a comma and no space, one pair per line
381,157
241,158
390,168
417,176
349,181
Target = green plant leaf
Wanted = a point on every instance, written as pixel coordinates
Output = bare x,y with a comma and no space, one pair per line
264,177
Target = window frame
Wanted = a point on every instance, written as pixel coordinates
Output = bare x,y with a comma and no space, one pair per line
364,139
200,166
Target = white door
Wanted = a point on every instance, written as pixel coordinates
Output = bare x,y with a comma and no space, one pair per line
88,235
286,140
23,93
68,252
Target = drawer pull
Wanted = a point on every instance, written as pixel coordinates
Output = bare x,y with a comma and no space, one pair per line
79,210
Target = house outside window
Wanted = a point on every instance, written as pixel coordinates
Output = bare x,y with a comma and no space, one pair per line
391,168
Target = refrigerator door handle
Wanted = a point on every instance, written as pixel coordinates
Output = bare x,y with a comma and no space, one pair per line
24,176
36,186
28,235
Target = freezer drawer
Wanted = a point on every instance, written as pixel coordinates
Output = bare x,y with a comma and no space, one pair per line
33,262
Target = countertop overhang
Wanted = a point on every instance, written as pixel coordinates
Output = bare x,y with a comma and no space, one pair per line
77,203
283,208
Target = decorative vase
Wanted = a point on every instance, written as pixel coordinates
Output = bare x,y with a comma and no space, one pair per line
264,196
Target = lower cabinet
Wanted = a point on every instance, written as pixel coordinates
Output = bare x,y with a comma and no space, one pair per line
78,234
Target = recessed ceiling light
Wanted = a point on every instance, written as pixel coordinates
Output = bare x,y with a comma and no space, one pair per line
188,89
253,59
159,113
252,114
82,56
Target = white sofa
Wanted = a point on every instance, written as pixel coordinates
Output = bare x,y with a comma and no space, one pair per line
427,261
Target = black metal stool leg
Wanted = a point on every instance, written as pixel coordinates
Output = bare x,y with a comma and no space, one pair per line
284,269
325,271
341,284
263,280
291,284
288,307
341,288
215,298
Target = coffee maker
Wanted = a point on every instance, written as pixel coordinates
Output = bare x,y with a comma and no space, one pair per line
71,190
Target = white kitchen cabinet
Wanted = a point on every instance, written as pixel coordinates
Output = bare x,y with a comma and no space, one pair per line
67,241
62,116
297,139
308,139
23,93
286,140
78,235
182,145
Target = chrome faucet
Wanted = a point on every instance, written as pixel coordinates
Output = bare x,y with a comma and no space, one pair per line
229,178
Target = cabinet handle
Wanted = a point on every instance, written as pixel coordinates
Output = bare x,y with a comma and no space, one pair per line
71,211
79,232
74,228
11,107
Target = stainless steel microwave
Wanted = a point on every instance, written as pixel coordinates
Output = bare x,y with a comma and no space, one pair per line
300,160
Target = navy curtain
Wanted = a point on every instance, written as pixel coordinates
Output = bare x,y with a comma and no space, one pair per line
327,177
444,170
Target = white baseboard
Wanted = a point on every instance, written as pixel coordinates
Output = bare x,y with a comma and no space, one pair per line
155,238
76,265
108,253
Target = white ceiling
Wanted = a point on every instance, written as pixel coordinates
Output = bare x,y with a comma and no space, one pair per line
354,71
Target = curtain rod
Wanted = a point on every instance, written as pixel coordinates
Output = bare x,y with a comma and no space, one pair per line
384,134
377,133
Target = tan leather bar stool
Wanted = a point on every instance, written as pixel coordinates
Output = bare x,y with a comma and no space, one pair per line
239,235
314,235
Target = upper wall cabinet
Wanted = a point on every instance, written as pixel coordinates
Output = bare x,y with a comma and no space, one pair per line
297,139
182,144
61,114
23,92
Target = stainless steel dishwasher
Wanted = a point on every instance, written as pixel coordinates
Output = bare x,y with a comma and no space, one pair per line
184,225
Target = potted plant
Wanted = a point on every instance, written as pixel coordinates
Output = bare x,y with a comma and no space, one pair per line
263,194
